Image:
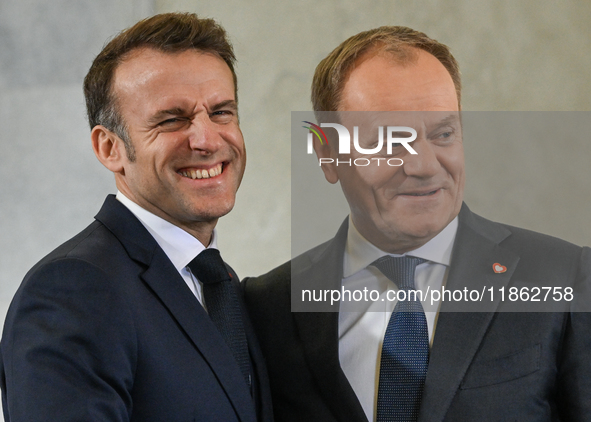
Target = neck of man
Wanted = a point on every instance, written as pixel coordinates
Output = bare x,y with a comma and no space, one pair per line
202,230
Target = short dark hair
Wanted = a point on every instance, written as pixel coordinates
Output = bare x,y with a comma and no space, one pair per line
331,73
167,32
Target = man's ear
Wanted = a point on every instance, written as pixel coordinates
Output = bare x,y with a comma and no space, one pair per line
327,158
108,148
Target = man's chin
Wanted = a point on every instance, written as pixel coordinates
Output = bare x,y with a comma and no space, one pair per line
213,212
415,234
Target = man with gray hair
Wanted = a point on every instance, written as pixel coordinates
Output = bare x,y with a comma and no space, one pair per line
408,230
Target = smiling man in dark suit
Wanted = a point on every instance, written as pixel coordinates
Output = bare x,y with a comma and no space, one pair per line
409,229
137,318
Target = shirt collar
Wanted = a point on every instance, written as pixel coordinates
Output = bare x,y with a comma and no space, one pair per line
360,253
180,246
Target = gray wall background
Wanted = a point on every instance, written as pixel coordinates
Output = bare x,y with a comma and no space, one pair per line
514,55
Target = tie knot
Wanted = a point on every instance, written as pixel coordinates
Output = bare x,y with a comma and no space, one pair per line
401,270
209,267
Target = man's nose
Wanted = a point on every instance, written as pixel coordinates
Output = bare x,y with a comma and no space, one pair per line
424,163
204,135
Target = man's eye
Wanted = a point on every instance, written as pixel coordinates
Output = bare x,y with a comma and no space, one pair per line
174,123
222,116
222,113
444,136
368,142
170,121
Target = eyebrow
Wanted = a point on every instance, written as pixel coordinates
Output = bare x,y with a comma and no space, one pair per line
161,114
178,111
228,103
452,118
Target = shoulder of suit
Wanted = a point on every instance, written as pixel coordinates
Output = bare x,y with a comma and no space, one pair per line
525,242
93,247
275,282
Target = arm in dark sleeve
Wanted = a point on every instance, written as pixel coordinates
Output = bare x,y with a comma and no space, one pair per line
68,348
574,377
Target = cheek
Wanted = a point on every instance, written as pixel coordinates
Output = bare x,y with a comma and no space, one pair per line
453,162
152,172
233,136
368,184
382,179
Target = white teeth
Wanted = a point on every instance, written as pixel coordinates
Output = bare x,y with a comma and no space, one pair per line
214,171
202,173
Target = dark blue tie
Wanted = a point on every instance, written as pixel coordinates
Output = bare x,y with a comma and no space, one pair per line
221,299
405,352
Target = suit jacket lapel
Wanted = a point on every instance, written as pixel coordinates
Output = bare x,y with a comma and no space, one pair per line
319,330
166,283
459,334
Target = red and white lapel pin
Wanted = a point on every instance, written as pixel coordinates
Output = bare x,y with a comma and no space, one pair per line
498,268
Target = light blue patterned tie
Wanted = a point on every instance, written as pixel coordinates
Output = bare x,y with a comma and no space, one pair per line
405,352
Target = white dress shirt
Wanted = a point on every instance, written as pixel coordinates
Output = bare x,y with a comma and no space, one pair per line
180,246
361,331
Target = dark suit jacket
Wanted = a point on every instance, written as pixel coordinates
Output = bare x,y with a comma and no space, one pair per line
104,328
484,366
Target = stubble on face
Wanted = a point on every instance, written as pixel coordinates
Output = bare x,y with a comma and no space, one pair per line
182,119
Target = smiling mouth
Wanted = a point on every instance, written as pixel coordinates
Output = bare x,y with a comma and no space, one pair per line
202,173
433,192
